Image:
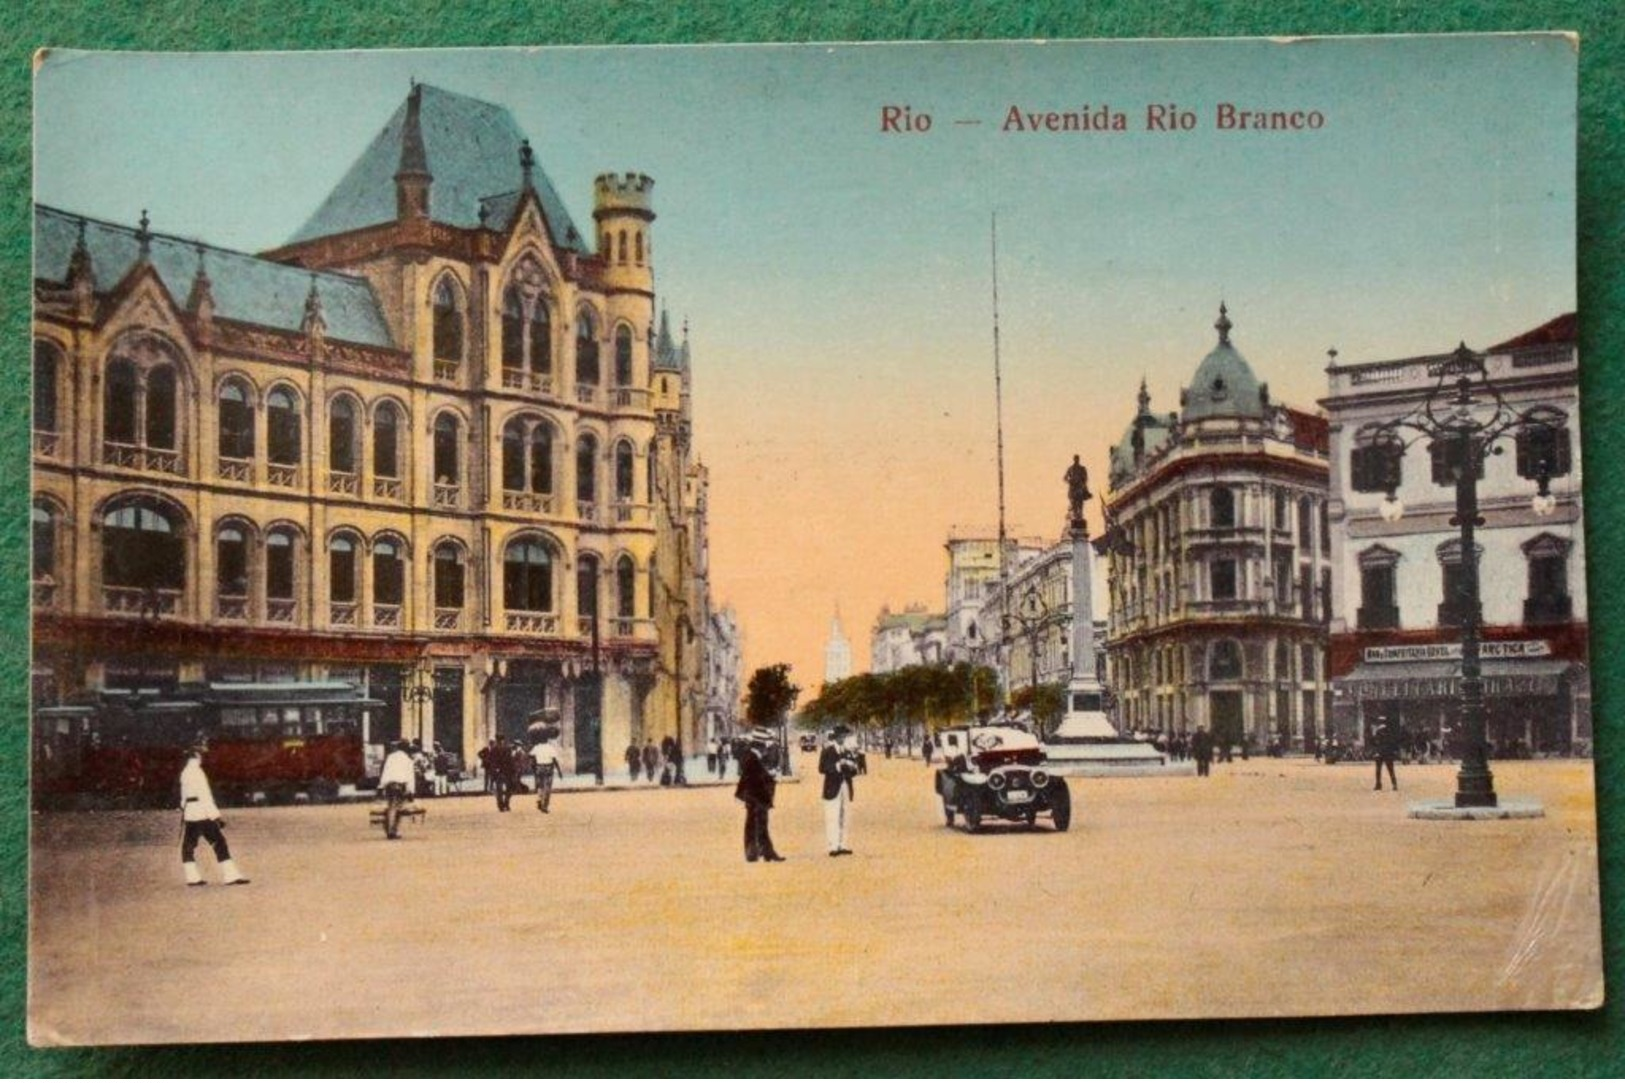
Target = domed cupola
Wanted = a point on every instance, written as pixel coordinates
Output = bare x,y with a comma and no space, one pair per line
1144,437
1224,385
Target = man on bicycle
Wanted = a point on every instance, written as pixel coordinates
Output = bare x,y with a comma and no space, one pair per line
396,781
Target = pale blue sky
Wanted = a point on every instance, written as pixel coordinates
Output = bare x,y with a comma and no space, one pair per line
837,278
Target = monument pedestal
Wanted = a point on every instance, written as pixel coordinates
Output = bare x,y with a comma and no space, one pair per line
1087,745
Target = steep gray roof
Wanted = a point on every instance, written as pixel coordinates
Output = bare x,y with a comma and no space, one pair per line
245,288
470,148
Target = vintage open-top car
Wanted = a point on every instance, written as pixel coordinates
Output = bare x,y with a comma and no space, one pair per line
996,772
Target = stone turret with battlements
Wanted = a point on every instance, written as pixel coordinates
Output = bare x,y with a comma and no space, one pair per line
624,213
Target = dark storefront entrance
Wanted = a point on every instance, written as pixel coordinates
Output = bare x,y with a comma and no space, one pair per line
448,709
524,690
1226,711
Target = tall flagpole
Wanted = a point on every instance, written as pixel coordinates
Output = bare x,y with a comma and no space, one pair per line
998,406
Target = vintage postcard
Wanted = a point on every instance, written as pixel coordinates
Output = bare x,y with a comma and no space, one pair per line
651,539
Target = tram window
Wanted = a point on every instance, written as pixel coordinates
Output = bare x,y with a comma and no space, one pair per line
236,716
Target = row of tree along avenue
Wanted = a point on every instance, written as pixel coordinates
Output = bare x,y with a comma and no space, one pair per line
905,703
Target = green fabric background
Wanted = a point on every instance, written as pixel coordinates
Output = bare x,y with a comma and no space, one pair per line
1532,1044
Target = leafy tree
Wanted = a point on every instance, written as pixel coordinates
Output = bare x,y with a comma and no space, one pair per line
770,695
1047,704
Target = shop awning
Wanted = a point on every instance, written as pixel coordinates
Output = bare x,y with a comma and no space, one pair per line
1442,680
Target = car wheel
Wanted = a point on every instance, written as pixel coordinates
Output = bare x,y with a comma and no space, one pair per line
973,811
1032,816
1060,804
947,812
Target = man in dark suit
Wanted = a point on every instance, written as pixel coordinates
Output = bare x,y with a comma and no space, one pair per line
1385,750
756,788
837,763
1202,751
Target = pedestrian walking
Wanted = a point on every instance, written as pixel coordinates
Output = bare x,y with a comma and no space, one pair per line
1202,751
837,764
725,751
651,760
442,771
711,755
200,819
1385,750
634,761
756,789
926,749
485,765
502,773
544,755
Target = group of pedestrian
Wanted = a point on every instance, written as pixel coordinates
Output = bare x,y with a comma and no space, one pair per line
667,759
838,763
718,751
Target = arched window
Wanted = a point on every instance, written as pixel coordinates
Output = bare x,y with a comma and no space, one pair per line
386,457
341,436
513,456
143,546
341,578
279,566
541,458
161,408
1224,664
527,576
1222,504
623,472
446,470
586,349
46,363
586,468
654,587
44,525
623,356
448,576
236,422
626,578
388,573
282,428
231,562
448,322
513,329
119,403
621,247
587,585
652,476
637,244
540,346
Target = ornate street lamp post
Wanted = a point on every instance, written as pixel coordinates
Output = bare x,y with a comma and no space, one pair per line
1464,416
1032,613
420,691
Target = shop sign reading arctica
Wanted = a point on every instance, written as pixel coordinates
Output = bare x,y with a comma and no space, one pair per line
1451,652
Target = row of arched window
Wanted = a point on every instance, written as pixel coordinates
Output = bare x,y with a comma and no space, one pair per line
1220,660
144,564
527,341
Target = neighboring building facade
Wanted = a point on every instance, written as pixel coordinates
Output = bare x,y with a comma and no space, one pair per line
837,652
432,445
904,639
1046,576
724,657
1219,561
1395,624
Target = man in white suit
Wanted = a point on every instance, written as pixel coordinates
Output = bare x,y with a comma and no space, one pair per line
201,818
837,764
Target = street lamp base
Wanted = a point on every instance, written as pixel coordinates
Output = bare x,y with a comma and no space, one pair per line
1511,809
1475,789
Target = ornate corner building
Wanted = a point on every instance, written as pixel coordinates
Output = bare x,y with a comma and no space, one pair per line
1219,561
437,445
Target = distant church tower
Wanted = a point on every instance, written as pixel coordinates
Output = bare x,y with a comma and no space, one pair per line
837,653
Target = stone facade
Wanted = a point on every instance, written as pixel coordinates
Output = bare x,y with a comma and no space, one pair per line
437,448
1219,562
